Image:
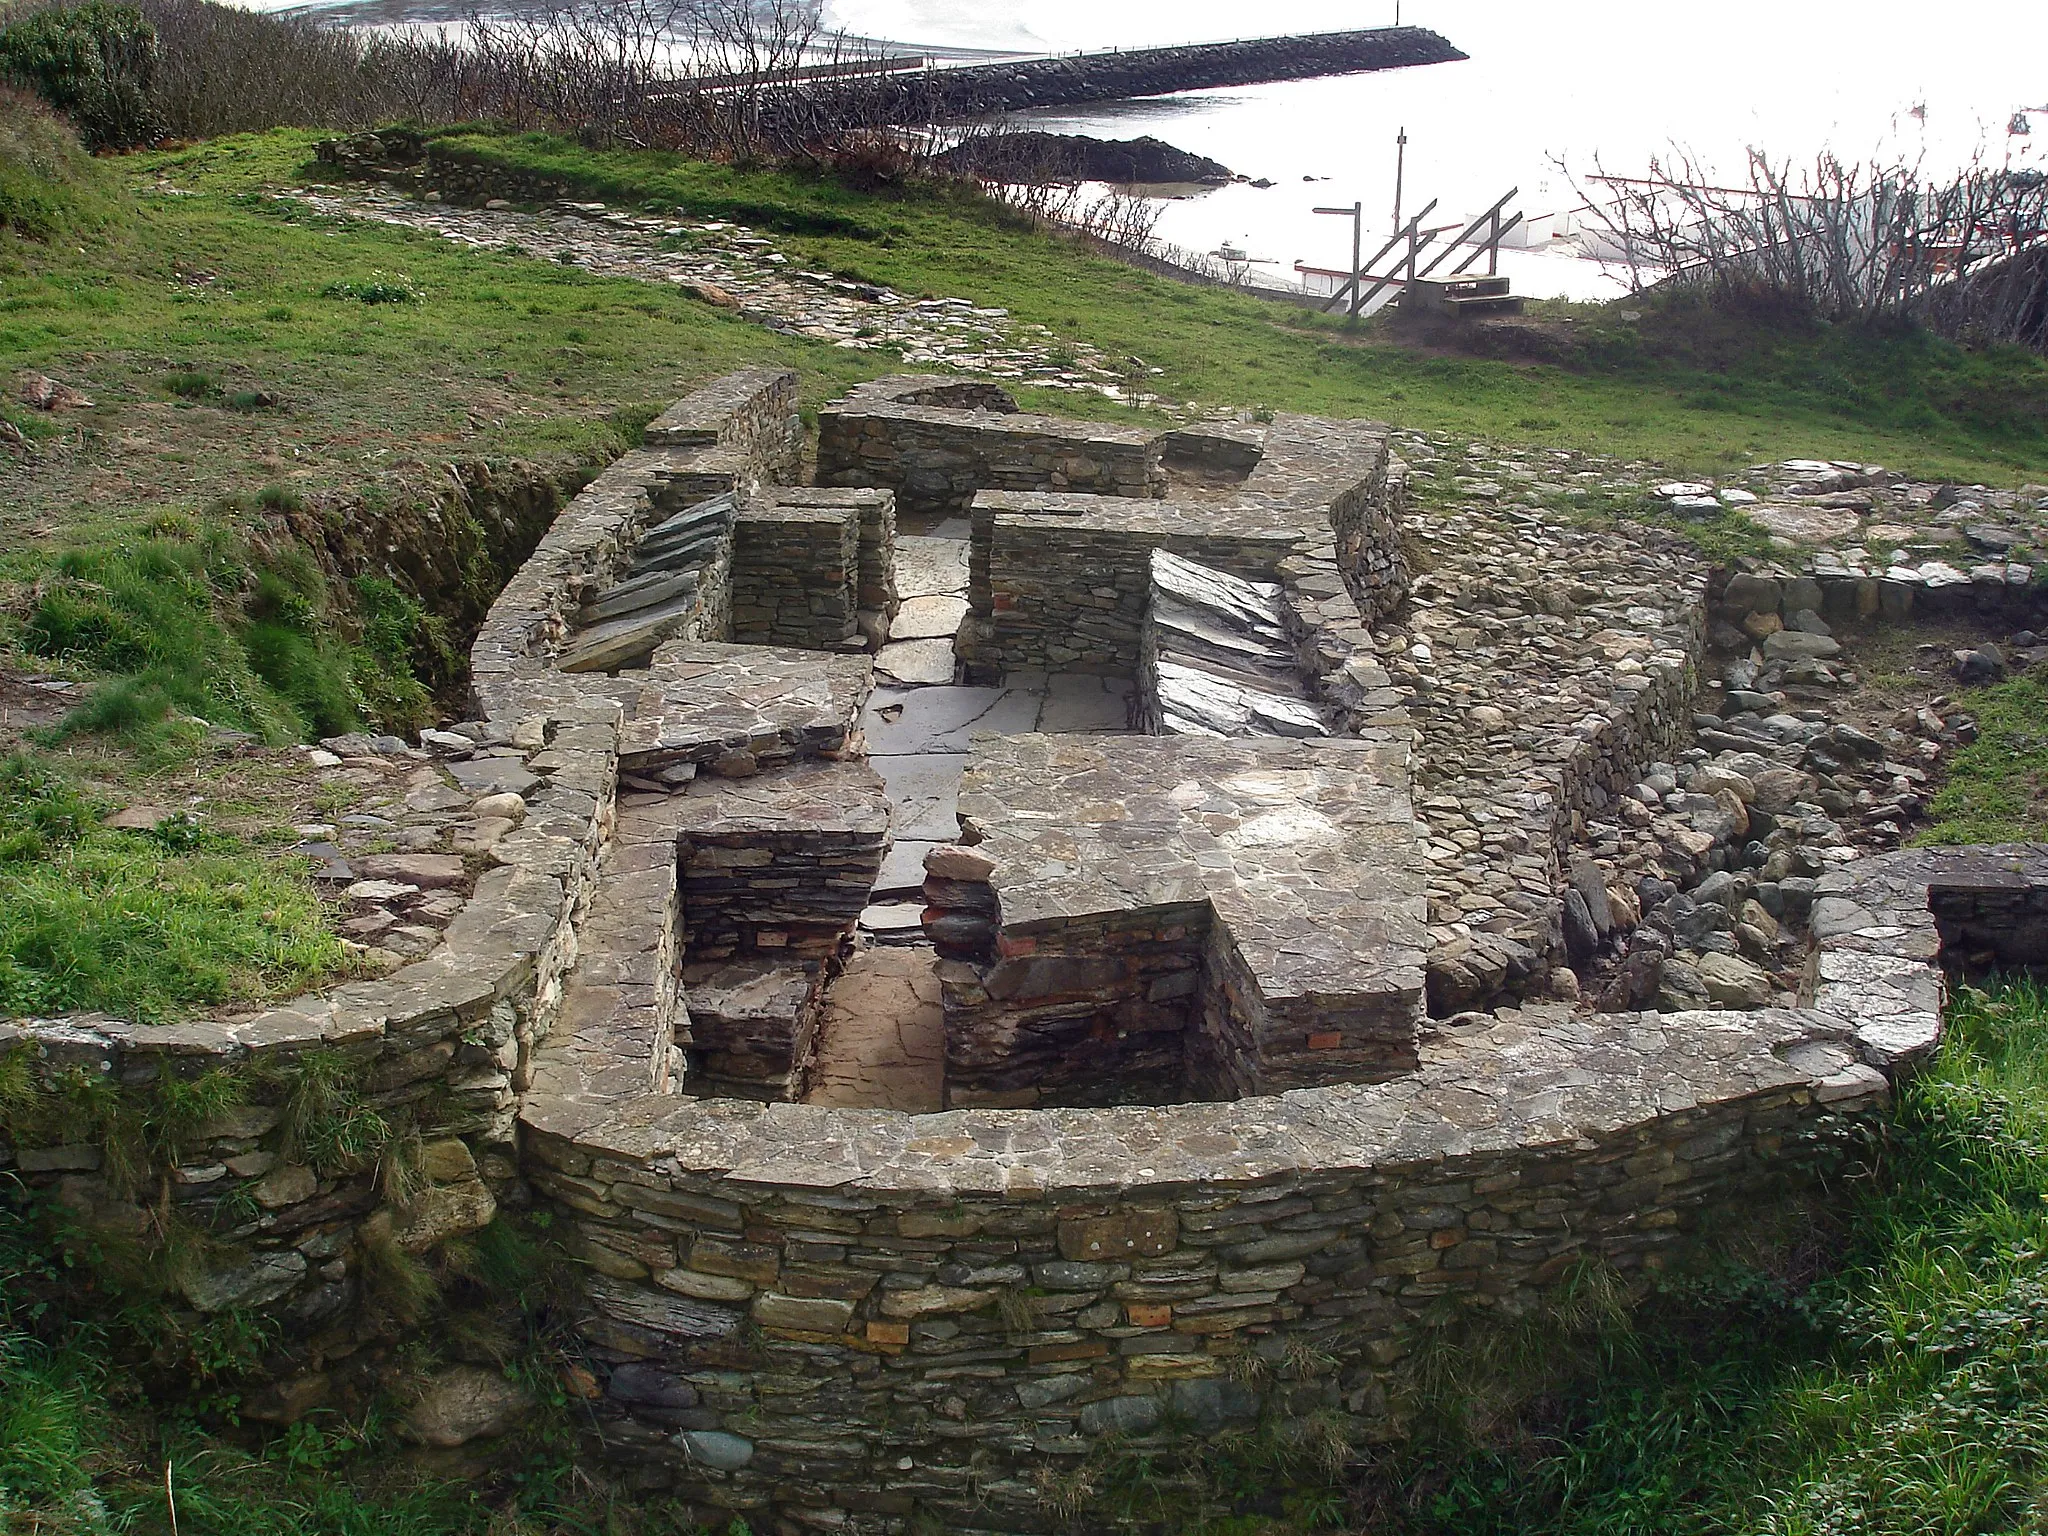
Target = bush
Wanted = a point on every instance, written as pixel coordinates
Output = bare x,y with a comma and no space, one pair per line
96,63
377,288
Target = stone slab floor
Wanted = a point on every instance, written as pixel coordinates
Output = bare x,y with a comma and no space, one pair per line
882,1041
882,1038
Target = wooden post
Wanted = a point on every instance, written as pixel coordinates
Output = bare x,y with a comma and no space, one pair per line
1400,170
1357,254
1414,230
1493,247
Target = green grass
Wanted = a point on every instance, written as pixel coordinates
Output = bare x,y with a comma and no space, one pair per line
48,186
1997,789
183,620
1694,395
1904,1392
1695,391
142,925
188,308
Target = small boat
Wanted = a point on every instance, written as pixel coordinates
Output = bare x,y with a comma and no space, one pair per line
1228,252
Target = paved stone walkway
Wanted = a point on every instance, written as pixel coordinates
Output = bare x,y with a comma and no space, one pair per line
882,1042
734,267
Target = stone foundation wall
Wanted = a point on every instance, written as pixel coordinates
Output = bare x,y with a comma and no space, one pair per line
1067,578
446,1045
936,456
1098,1013
735,434
1896,595
1342,474
778,862
754,1024
836,1316
1223,450
795,571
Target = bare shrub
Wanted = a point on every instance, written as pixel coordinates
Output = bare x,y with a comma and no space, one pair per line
1041,180
1965,255
726,79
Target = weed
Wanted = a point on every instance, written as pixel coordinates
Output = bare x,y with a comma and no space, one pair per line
393,1278
324,1120
1997,789
189,386
378,288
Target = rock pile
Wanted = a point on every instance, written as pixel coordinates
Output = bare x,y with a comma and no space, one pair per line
1542,665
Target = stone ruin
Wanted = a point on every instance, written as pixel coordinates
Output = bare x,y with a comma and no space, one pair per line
938,1080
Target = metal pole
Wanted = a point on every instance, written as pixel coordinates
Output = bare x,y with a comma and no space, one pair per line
1357,254
1400,170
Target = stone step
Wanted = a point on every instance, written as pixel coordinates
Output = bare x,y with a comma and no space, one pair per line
638,595
622,642
1216,657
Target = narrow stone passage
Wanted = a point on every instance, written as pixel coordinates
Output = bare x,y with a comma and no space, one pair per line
881,1043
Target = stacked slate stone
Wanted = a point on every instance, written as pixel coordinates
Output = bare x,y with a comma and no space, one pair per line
962,913
935,443
753,1026
1216,657
877,509
795,571
659,594
779,863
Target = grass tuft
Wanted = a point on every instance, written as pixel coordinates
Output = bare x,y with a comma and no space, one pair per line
124,923
1997,789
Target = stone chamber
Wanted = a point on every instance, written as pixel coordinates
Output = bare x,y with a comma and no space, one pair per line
991,953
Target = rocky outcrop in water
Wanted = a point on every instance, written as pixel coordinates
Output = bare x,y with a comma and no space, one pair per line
1048,157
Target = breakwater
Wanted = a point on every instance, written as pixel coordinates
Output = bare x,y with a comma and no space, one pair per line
981,90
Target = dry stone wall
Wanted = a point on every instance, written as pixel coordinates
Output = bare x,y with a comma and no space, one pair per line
845,1315
1179,915
1071,577
445,1045
935,441
728,439
877,583
795,574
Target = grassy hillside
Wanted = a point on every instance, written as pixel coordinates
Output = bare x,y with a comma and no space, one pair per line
1692,391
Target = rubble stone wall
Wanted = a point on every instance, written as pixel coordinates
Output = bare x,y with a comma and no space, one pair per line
449,1040
1097,1013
